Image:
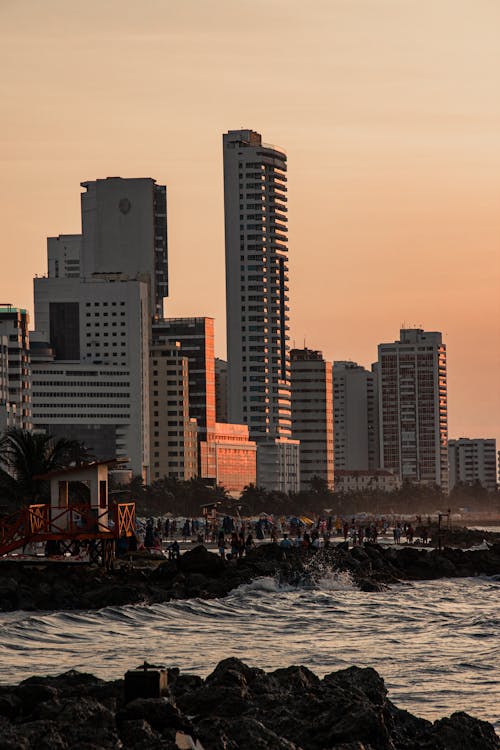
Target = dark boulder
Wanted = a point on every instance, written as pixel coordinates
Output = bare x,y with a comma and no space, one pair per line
200,560
461,732
159,713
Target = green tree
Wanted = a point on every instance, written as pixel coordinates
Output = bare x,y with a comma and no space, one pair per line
24,455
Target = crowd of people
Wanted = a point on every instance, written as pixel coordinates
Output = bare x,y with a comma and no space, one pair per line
233,536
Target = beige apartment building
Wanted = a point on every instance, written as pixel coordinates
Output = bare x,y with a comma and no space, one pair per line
174,439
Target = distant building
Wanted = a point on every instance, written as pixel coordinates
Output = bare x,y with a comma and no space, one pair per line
413,412
196,339
355,408
124,230
228,456
473,461
278,465
363,481
174,438
16,409
6,419
312,415
255,210
93,316
221,408
63,256
91,376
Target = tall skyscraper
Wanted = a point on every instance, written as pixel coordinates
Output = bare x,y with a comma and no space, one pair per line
355,407
413,411
312,415
255,208
124,230
93,315
473,460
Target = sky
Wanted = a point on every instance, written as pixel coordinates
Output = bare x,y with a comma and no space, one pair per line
389,113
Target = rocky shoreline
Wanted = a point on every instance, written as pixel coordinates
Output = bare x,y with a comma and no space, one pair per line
235,708
200,573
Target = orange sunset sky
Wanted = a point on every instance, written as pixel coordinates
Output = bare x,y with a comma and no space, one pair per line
389,111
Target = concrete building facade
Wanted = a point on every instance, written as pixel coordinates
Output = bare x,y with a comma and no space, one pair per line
5,406
472,461
413,410
14,333
94,383
355,405
255,209
228,457
174,437
312,415
366,481
93,315
196,339
124,230
221,385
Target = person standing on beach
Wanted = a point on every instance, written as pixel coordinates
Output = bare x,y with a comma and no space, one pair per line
221,544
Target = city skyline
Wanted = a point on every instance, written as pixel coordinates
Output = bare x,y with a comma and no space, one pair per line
393,170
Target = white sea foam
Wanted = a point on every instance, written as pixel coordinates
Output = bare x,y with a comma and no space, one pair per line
336,581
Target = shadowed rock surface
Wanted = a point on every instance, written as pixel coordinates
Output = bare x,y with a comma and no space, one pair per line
200,573
235,708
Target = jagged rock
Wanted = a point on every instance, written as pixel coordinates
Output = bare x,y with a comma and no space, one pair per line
461,732
237,707
245,732
10,705
159,713
232,671
133,732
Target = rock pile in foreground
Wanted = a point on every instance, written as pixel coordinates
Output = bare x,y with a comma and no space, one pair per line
200,573
235,708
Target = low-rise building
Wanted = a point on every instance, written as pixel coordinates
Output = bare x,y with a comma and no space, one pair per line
278,464
473,461
228,456
363,480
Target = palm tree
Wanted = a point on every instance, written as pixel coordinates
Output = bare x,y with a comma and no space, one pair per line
24,455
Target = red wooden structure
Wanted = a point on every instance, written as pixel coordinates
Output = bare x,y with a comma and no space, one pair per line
97,522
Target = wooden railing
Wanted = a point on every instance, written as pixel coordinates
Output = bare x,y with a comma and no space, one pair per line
42,522
125,519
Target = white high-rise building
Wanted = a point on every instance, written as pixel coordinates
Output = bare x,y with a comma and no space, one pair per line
93,315
473,461
94,386
355,417
255,209
413,411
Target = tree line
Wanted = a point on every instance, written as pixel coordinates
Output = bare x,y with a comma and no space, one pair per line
25,455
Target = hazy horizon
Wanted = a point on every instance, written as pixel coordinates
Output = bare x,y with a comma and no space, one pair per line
390,116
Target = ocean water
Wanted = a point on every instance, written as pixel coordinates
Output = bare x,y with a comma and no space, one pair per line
437,644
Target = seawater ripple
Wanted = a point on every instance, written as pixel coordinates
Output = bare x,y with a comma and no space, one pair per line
435,643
